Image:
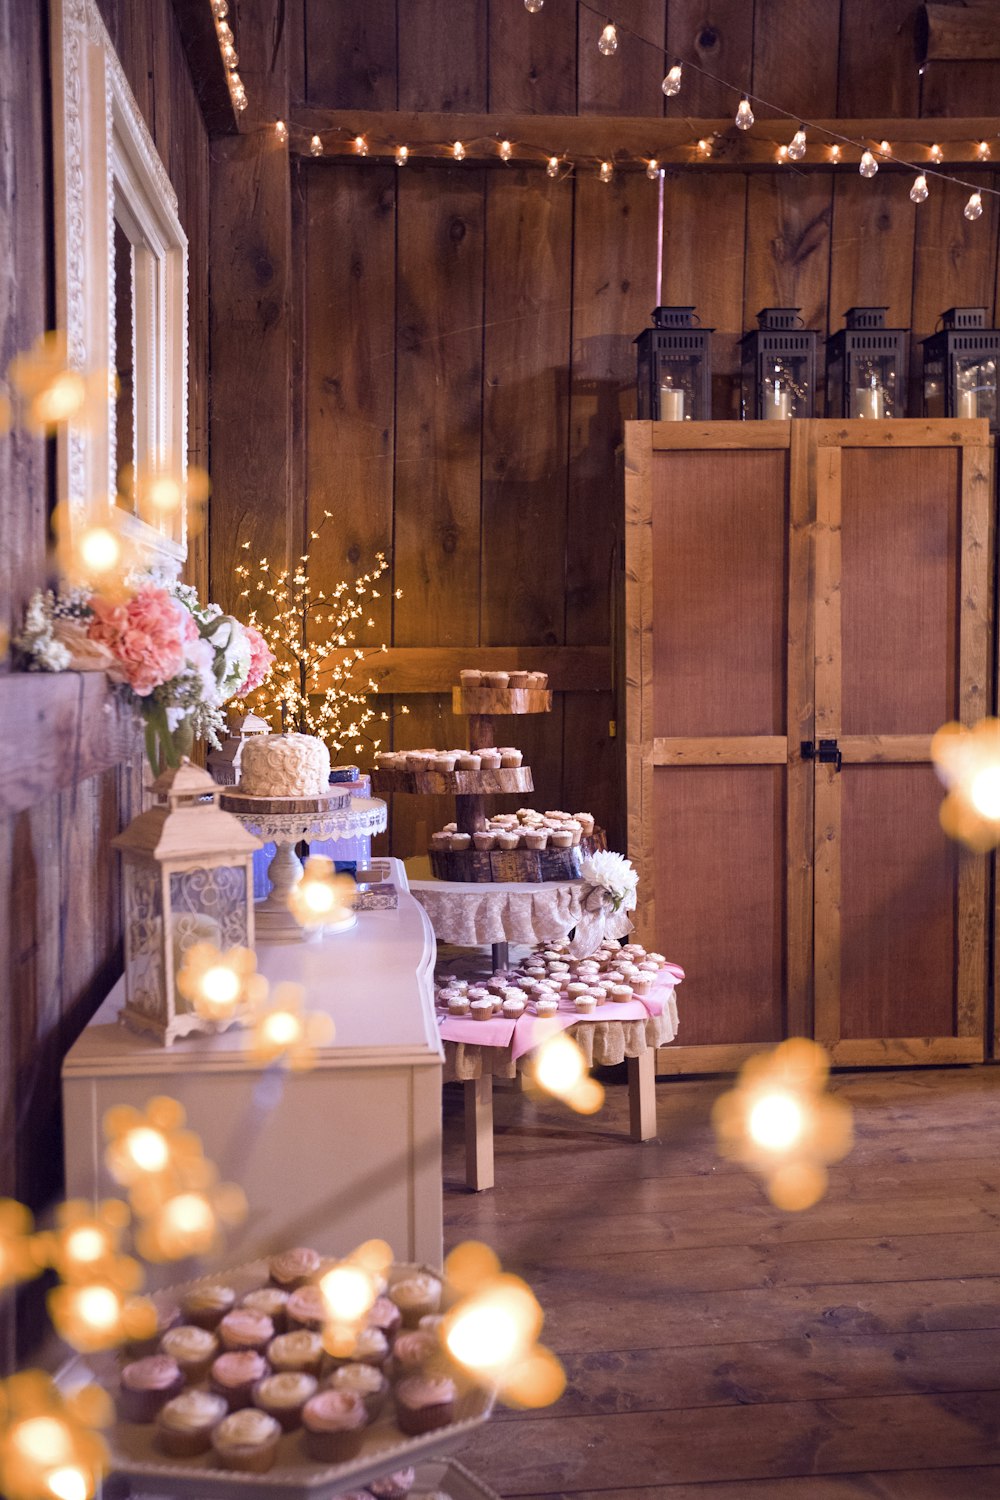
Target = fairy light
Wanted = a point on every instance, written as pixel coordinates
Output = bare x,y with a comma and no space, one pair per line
867,166
51,392
607,42
48,1446
744,114
402,155
315,146
835,152
983,150
506,150
287,1032
458,151
533,6
919,190
361,145
885,148
936,154
281,130
552,168
974,208
230,57
705,147
672,82
652,169
348,1292
606,171
781,153
321,897
796,149
18,1259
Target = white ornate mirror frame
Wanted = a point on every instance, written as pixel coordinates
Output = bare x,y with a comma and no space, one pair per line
107,171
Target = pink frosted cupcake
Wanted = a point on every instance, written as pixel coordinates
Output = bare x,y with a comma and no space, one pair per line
235,1375
484,840
193,1348
423,1404
147,1385
293,1268
244,1328
334,1423
364,1381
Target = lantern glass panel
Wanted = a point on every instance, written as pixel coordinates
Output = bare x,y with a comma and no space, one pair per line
144,936
976,387
785,389
934,388
874,385
678,387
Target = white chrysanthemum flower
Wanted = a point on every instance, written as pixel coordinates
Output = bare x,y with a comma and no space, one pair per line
615,873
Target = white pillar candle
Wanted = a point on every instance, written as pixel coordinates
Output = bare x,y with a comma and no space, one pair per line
967,404
778,406
869,401
671,404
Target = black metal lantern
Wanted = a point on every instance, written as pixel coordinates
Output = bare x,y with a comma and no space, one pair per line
779,365
675,371
960,367
866,367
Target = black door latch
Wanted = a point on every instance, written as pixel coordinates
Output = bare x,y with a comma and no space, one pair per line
829,753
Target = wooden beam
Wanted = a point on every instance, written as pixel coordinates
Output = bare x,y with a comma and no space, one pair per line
208,72
435,669
65,727
959,33
629,142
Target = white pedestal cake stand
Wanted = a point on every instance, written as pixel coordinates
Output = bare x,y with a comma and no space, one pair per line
287,821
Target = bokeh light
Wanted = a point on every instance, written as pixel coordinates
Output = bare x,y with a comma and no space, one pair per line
48,1444
51,392
20,1258
217,984
284,1031
491,1331
321,898
560,1068
968,763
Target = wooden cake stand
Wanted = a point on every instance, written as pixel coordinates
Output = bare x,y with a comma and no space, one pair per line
287,821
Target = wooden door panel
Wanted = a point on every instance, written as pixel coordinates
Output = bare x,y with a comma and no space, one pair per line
719,871
719,551
899,589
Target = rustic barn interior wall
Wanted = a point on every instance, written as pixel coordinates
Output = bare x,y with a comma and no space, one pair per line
449,348
60,946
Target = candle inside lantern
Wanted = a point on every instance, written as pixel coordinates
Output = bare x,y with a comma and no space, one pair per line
671,404
778,406
967,404
869,400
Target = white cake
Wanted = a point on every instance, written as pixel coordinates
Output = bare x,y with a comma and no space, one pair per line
284,765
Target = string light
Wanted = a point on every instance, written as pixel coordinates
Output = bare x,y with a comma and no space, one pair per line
48,1443
868,166
652,168
607,42
288,1033
458,151
315,146
983,150
936,154
533,6
506,150
797,145
218,984
974,208
552,169
781,153
402,155
361,145
835,152
230,57
705,147
281,130
744,114
672,82
919,191
606,171
885,148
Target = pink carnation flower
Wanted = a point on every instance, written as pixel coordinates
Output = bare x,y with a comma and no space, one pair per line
144,634
261,661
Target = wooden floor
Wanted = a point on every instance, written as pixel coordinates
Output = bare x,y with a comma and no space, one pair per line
717,1348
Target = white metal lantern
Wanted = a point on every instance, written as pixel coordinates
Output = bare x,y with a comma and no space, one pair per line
188,879
224,764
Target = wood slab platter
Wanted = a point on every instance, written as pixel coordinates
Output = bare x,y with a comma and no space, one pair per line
137,1461
239,802
507,866
487,700
386,783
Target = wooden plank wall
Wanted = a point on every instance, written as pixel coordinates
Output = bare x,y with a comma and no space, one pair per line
59,893
460,339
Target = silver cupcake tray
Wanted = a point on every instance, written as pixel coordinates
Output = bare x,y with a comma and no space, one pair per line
138,1467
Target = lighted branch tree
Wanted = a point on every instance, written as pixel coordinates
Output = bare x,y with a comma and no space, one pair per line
315,685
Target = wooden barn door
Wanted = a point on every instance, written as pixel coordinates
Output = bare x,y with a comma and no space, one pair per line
901,623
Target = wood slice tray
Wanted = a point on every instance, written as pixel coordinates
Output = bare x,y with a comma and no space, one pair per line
488,700
333,801
507,866
454,783
138,1464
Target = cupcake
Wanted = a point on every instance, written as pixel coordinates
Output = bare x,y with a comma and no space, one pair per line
478,992
484,840
147,1385
467,761
538,680
184,1425
235,1375
416,1296
546,1005
424,1404
168,1315
371,1347
300,1350
510,758
513,1009
334,1424
245,1328
508,840
413,1352
193,1348
460,1005
536,838
205,1306
586,822
586,1004
393,1486
293,1268
481,1010
271,1301
440,842
385,1315
307,1308
364,1381
284,1395
561,838
247,1441
518,679
460,842
489,760
558,966
470,678
496,679
576,830
642,986
446,762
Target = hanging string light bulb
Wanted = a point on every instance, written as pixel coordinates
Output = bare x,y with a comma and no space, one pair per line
361,145
936,154
606,172
458,151
607,43
974,208
835,153
744,115
868,166
983,150
315,146
919,191
506,150
797,145
281,130
672,81
533,6
652,169
552,169
885,148
402,155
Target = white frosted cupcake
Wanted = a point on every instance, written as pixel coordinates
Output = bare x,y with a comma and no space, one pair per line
467,761
546,1005
481,1010
586,822
460,842
470,677
193,1348
184,1426
585,1004
536,838
508,840
445,762
510,759
460,1005
513,1008
484,840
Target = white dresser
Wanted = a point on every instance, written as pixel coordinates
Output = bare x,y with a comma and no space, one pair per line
346,1151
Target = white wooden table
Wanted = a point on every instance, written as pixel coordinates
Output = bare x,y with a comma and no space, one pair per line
344,1152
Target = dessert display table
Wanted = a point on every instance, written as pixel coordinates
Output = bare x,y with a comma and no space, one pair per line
287,821
329,1156
614,1033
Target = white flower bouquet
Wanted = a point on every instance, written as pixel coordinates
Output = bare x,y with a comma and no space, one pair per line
614,874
